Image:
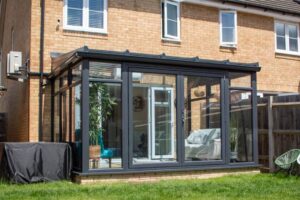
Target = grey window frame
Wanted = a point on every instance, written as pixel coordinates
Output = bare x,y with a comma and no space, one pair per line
179,71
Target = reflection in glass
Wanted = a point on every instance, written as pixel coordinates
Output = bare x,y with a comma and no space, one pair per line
172,19
105,125
96,13
280,29
241,133
153,112
65,116
293,44
56,117
280,36
100,70
76,126
293,38
280,43
228,35
228,19
202,116
46,136
76,74
75,12
64,79
238,79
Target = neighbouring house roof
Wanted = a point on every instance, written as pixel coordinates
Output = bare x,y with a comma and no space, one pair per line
66,60
285,6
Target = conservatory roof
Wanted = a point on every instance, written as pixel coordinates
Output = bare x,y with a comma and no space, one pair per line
63,61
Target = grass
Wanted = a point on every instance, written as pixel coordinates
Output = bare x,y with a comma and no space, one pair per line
258,186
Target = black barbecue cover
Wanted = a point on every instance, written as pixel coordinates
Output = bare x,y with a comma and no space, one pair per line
35,162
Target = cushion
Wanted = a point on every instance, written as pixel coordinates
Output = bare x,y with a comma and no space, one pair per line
214,134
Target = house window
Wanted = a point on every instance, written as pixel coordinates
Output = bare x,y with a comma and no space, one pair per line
86,15
171,20
287,38
228,28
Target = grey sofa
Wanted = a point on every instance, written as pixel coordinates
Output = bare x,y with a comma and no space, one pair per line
203,144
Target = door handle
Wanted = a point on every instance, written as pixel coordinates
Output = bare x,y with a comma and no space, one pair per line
182,117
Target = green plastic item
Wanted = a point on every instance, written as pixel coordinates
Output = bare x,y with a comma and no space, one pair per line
286,160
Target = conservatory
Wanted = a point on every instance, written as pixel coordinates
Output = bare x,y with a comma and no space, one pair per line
127,112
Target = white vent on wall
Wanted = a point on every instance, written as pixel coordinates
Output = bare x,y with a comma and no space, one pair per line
14,62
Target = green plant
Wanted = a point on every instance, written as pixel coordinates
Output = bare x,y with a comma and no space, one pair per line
101,106
233,133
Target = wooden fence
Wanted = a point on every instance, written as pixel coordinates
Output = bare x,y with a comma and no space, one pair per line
278,127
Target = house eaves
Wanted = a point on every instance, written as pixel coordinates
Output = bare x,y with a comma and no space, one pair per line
276,12
291,7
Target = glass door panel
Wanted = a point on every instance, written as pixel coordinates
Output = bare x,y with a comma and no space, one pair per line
202,117
241,131
105,125
153,113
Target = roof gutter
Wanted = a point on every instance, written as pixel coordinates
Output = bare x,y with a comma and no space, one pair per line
258,11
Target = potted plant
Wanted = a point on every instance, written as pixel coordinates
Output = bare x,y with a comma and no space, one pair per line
101,105
233,143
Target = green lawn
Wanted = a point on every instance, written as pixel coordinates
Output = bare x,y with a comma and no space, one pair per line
259,186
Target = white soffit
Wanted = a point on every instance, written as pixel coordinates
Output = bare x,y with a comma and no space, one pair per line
257,11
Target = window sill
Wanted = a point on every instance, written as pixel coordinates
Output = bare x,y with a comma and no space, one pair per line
286,53
287,56
83,30
228,46
170,40
228,49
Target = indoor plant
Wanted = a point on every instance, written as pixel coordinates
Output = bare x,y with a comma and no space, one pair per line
101,105
233,138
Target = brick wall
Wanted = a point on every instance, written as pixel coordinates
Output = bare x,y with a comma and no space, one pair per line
15,102
136,25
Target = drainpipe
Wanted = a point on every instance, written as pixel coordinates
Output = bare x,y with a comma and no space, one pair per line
41,69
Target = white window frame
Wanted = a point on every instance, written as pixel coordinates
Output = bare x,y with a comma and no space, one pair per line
165,20
152,107
85,21
228,44
287,42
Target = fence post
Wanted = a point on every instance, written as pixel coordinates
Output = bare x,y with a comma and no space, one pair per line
270,134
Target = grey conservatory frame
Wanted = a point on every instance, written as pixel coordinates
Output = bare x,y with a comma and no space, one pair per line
154,64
